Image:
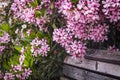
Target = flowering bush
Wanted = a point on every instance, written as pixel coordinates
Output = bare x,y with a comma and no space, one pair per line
37,34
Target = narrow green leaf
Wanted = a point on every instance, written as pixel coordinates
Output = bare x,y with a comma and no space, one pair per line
18,48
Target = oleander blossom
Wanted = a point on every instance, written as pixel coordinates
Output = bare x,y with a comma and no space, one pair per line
26,72
4,38
98,33
111,9
65,39
23,11
89,8
1,49
9,76
39,47
63,5
77,49
62,36
28,15
21,59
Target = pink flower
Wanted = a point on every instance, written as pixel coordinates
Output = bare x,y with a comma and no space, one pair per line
17,68
26,74
98,33
77,49
111,9
9,76
5,38
2,48
39,47
22,50
21,59
90,9
64,5
28,15
62,36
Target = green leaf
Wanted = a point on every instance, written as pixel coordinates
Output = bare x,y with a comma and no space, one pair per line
34,4
28,57
5,27
74,1
26,63
14,60
1,33
37,13
6,66
18,48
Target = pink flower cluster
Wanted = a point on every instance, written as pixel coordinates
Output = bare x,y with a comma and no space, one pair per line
89,8
4,38
25,72
82,24
65,39
98,33
111,9
39,47
84,21
62,36
9,76
23,11
22,76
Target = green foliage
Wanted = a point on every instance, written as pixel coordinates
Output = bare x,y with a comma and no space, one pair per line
43,68
34,4
5,27
75,1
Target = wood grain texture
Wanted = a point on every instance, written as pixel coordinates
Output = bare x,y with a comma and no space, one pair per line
80,74
98,65
103,56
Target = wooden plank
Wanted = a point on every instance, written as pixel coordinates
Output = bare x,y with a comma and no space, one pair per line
80,74
88,64
103,56
109,68
101,68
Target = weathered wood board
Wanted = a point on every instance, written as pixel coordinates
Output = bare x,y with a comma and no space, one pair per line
94,68
104,56
80,74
